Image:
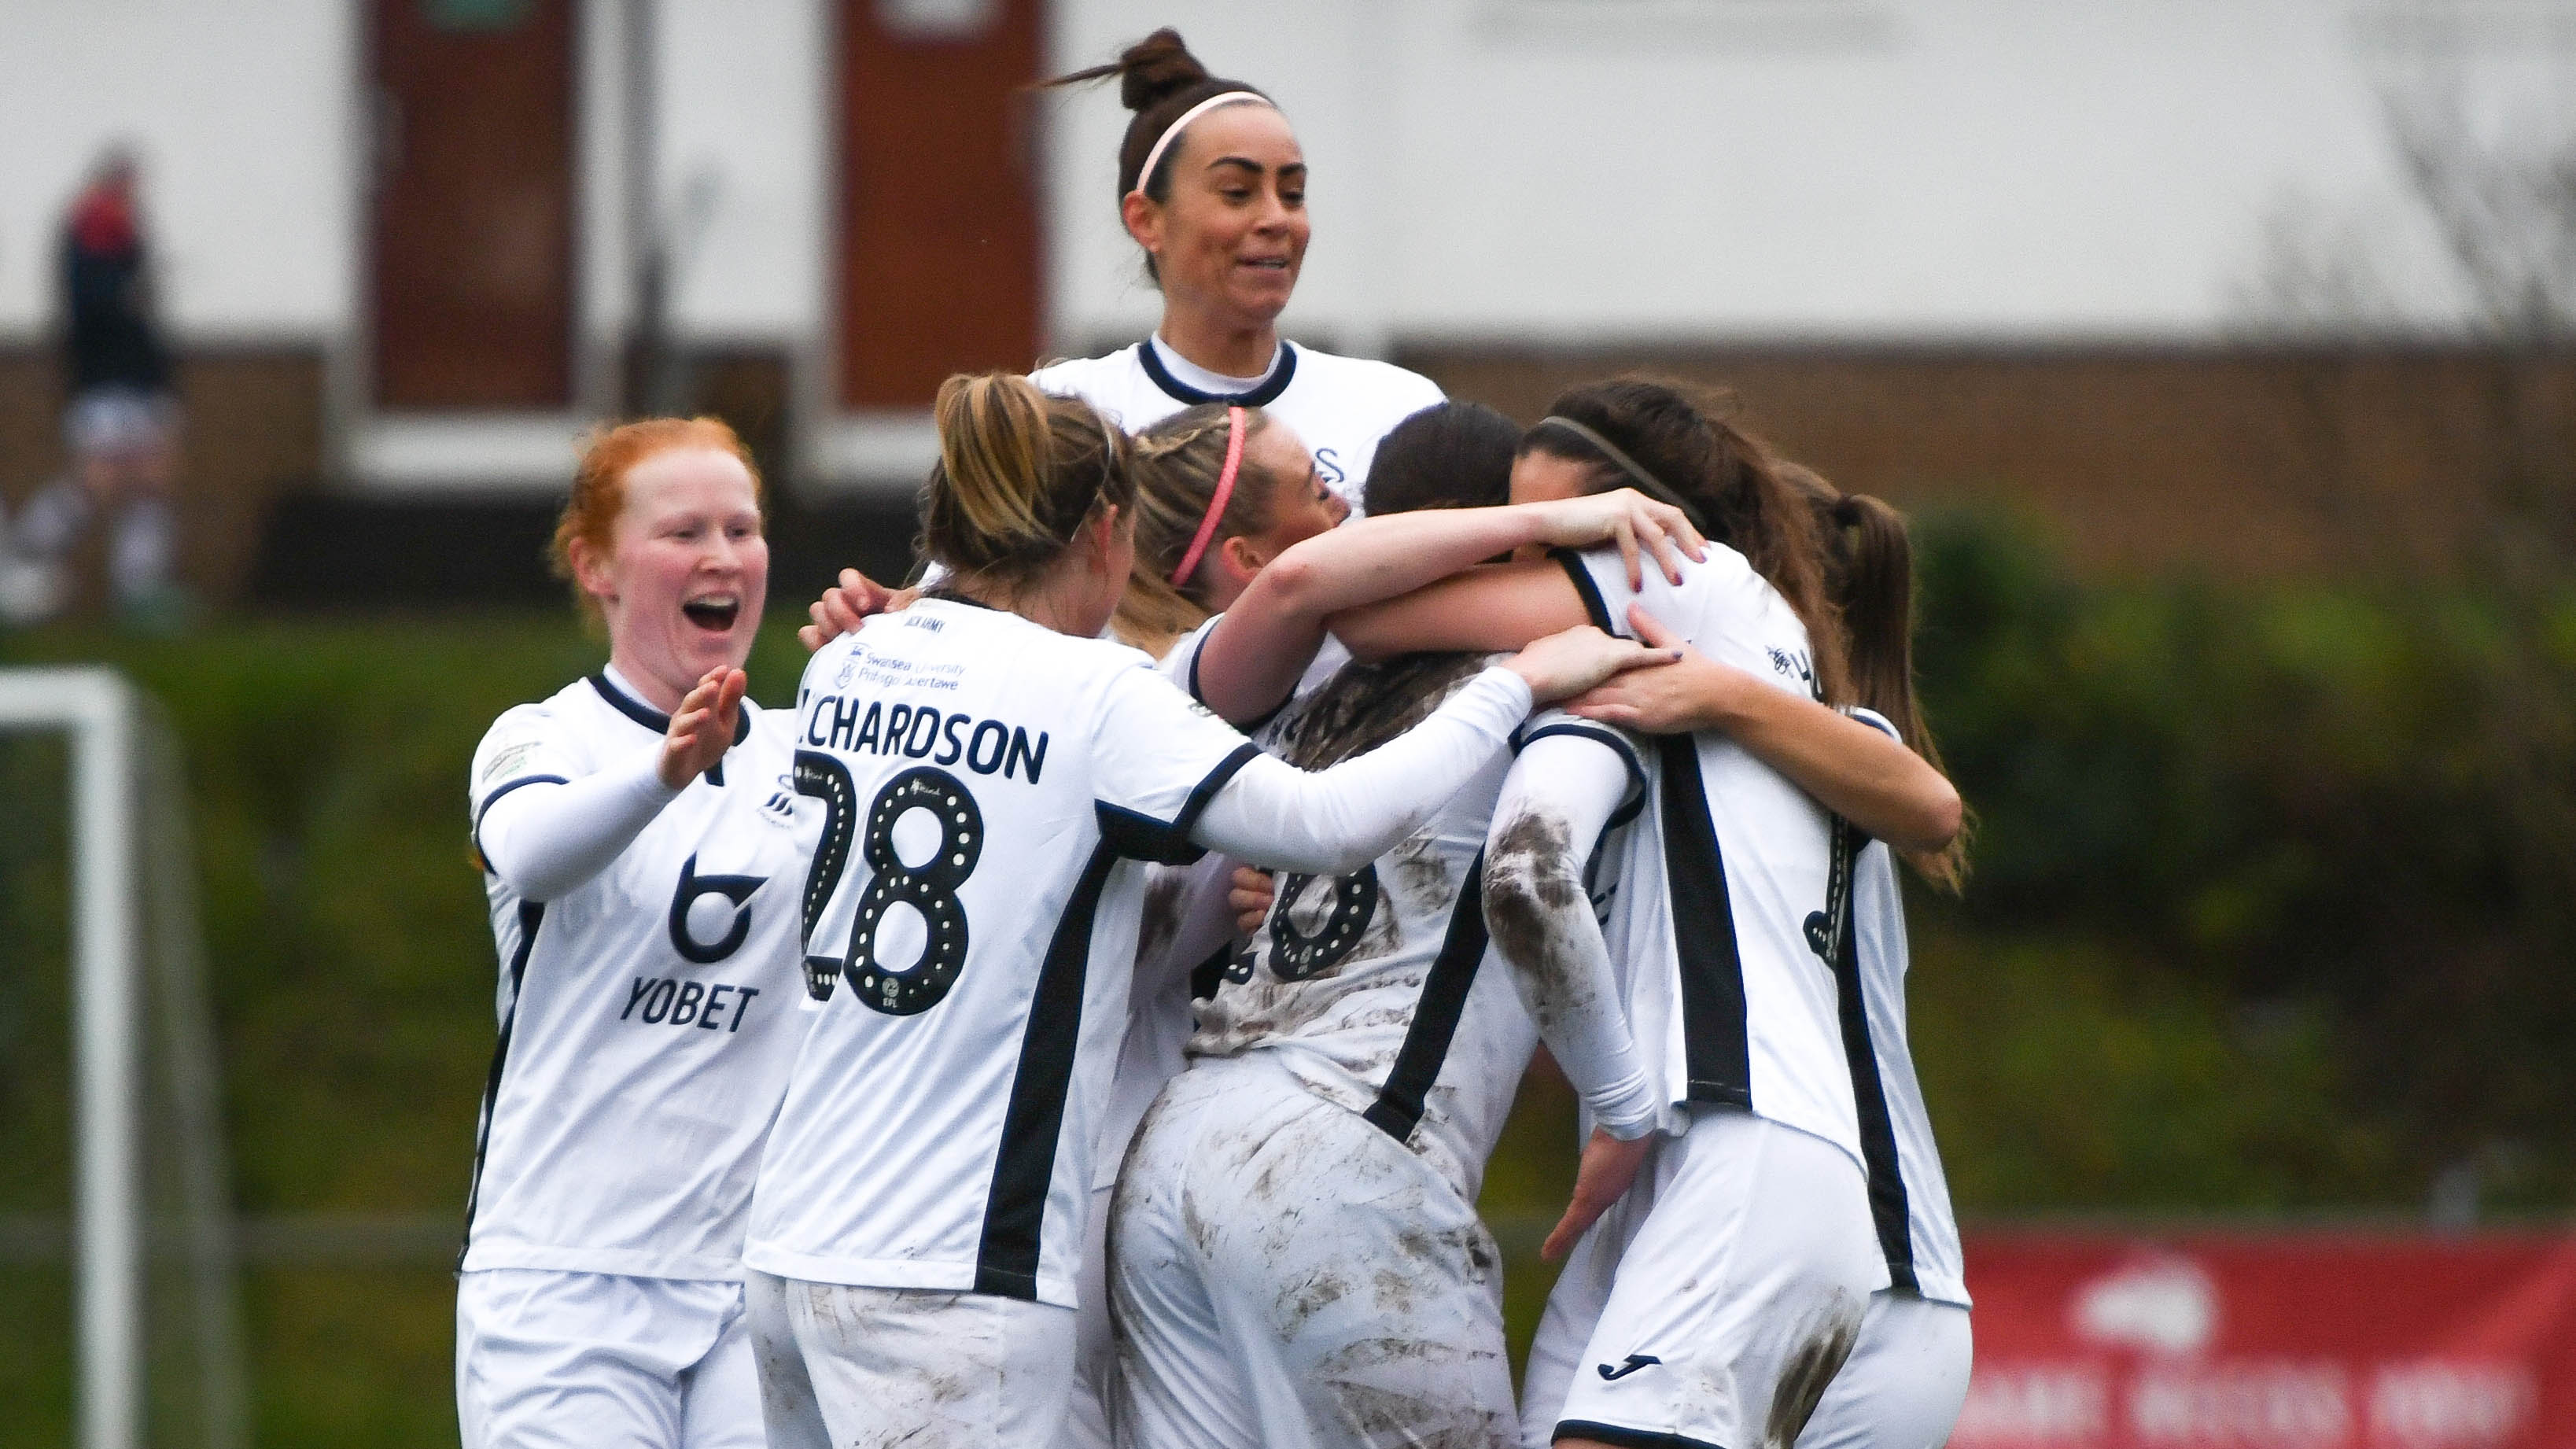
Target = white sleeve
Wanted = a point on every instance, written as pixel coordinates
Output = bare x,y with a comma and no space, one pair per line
1569,784
1157,759
550,838
1180,663
1874,720
1272,814
1197,922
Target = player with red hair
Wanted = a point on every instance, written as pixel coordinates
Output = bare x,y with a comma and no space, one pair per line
638,837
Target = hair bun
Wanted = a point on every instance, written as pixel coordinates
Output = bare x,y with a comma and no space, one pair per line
1156,67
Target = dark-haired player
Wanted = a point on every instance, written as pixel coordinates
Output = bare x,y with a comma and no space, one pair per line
992,775
1212,187
1349,1070
1715,1303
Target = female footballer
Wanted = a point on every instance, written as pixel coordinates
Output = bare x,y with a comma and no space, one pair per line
992,775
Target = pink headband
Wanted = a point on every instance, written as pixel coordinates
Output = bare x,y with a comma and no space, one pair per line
1216,505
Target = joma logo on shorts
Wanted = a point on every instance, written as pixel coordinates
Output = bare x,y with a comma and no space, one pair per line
1635,1362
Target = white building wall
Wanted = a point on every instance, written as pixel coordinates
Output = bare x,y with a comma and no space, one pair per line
743,93
244,120
247,116
1598,170
1830,169
746,132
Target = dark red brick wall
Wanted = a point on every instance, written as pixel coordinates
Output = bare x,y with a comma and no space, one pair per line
252,429
2243,461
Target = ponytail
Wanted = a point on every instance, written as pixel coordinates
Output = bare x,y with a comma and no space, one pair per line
1160,81
1019,472
1869,570
1842,563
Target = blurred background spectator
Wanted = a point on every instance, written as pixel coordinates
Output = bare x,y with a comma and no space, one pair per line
120,421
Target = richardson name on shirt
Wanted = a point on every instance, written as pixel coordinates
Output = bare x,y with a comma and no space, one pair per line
919,732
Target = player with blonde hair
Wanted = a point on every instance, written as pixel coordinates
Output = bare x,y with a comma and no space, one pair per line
992,776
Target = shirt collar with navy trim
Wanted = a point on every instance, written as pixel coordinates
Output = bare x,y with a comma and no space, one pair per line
620,698
1282,370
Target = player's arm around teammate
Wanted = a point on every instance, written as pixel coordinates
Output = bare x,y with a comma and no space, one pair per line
991,774
1907,1375
1778,1304
1239,557
1349,1069
1275,593
638,847
1852,769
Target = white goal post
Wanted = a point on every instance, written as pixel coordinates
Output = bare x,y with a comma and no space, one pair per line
125,797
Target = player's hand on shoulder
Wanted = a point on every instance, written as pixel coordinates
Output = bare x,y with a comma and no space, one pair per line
1691,693
702,728
848,602
1565,664
1629,519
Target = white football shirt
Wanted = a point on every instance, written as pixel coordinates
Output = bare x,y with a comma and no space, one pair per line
1372,989
1187,930
647,1016
1340,406
1717,877
1909,1195
990,788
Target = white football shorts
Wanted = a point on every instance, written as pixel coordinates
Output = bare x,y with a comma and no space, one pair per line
1285,1275
1906,1380
842,1365
551,1358
1711,1306
1095,1355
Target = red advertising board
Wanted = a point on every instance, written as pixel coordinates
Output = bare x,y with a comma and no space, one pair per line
2296,1340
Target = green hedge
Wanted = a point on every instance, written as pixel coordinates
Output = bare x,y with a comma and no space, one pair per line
2332,825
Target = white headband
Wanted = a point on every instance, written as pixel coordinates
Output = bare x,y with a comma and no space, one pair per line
1153,158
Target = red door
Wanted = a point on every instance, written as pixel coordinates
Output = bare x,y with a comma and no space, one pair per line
472,238
939,216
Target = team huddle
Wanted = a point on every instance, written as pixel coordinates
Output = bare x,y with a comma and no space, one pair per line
1085,1018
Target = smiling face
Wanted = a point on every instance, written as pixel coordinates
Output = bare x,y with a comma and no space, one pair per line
682,580
1300,507
1230,235
1301,504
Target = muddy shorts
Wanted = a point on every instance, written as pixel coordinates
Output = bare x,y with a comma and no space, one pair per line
1905,1383
844,1366
1284,1274
1712,1306
550,1358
